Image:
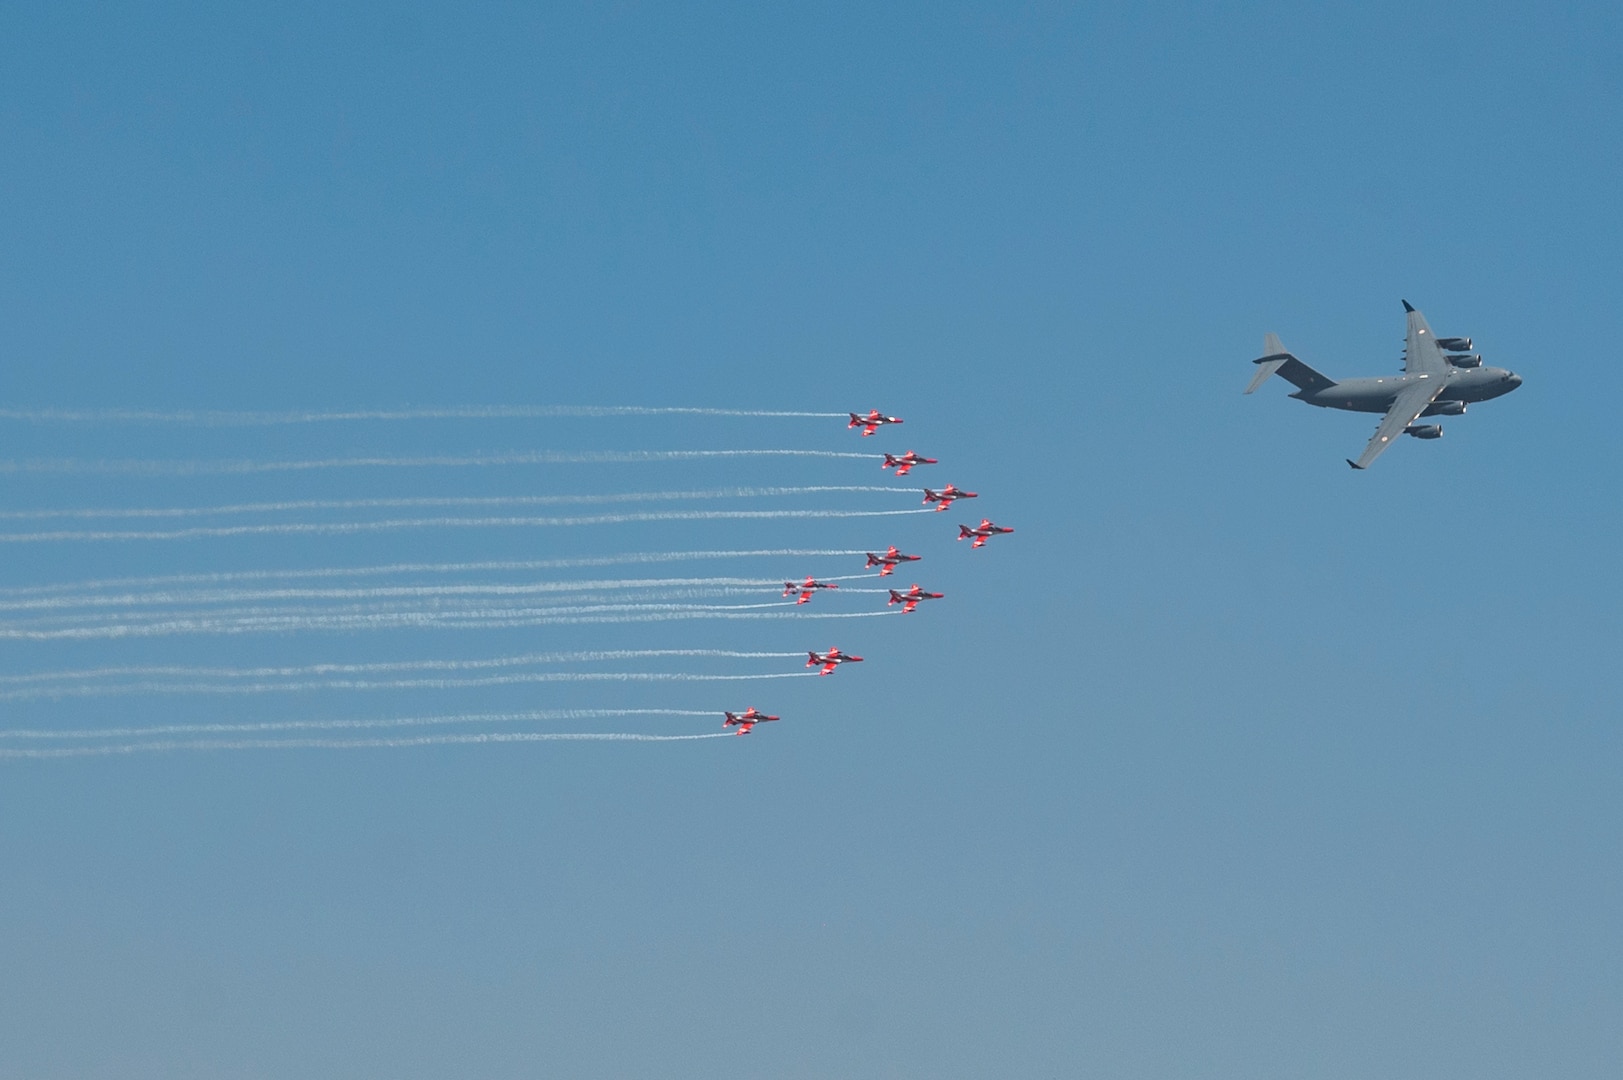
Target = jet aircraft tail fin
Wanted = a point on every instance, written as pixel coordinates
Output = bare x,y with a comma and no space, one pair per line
1276,358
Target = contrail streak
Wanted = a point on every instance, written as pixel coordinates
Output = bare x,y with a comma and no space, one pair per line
577,562
474,607
348,744
139,467
263,727
453,607
704,586
523,660
350,527
581,620
526,678
290,615
461,412
422,621
492,501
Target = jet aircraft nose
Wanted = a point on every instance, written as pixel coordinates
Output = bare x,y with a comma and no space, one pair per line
1513,379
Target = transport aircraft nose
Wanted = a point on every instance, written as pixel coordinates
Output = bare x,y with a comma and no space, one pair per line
1514,380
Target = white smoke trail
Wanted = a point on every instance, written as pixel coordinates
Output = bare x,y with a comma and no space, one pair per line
572,563
462,412
269,726
310,670
472,607
718,586
290,616
334,528
349,744
527,678
455,608
491,501
138,467
583,620
293,616
412,621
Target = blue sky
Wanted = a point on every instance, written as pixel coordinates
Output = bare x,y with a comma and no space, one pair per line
1230,762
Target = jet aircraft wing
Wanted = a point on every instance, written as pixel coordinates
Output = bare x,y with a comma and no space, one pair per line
1421,354
1406,408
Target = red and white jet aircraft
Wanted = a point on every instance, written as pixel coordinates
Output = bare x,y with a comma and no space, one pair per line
890,560
982,532
831,660
946,496
806,588
910,599
745,720
870,423
904,464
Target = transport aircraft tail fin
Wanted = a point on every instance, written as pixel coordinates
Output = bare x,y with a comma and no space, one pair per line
1275,358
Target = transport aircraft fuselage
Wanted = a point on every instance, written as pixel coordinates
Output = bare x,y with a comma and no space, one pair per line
1375,395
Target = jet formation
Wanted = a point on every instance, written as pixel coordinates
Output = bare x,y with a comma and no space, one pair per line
887,562
1441,376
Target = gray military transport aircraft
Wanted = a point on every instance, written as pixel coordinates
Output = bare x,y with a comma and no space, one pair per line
1440,377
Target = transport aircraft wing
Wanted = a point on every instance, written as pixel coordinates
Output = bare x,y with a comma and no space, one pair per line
1421,353
1406,408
